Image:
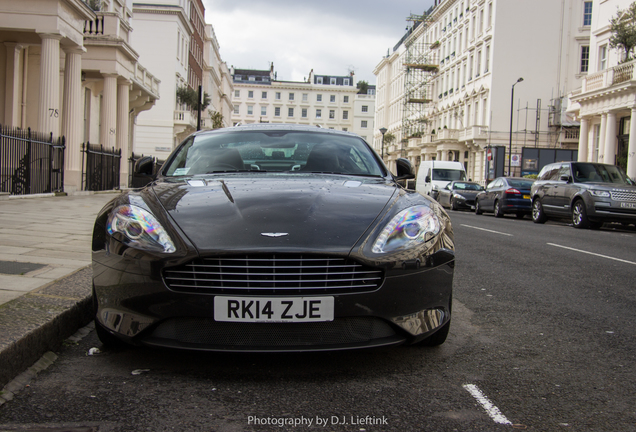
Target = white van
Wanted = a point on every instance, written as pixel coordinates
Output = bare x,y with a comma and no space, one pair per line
435,175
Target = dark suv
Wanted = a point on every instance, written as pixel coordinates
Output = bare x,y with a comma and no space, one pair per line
588,193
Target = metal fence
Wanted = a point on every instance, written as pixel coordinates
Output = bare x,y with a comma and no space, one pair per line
102,167
30,162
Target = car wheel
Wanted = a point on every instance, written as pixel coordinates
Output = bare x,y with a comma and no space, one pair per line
498,212
538,216
477,208
579,215
107,339
453,204
437,338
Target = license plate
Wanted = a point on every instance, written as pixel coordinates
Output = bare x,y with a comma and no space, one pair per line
273,309
628,205
526,197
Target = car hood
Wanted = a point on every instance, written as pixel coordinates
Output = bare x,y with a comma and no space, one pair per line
466,193
276,212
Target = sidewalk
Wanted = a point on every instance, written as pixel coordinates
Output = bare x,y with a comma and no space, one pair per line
45,275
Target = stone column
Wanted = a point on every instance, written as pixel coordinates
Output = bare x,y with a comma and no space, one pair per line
631,152
609,153
601,143
12,89
49,99
72,116
583,140
108,137
123,90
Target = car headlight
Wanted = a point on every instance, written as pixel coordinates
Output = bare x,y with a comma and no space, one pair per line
408,229
140,229
597,193
458,196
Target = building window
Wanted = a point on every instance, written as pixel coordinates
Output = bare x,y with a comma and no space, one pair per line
602,57
305,97
363,124
345,81
318,98
236,109
276,111
237,93
250,110
304,113
252,78
319,80
332,114
365,108
585,58
346,99
345,115
263,110
332,98
318,113
332,81
345,129
277,95
264,95
291,96
290,112
250,94
587,13
487,65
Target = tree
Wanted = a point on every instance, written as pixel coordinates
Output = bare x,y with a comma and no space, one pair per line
362,87
190,97
623,29
217,119
389,138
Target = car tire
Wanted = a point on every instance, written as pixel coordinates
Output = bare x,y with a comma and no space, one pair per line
477,208
104,336
437,338
579,215
538,215
497,210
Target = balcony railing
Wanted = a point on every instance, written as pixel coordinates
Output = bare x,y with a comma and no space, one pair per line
609,77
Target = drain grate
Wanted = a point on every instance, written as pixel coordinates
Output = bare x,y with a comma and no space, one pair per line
18,268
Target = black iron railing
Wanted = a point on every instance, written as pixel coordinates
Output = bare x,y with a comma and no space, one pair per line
101,171
30,162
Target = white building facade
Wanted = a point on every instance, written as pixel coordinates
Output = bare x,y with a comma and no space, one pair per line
73,71
446,90
605,104
326,100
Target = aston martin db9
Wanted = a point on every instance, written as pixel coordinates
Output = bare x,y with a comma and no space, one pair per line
272,238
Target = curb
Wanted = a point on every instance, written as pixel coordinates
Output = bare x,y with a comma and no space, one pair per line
40,321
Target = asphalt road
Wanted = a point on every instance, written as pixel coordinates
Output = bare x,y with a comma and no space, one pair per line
542,339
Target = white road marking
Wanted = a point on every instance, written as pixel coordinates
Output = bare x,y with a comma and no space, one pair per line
484,229
592,253
492,410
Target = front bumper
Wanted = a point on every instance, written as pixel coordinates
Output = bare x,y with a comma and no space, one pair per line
135,305
608,210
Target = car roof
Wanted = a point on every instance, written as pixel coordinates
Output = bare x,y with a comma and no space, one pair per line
278,127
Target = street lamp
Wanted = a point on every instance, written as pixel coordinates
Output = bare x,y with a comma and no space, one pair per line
383,131
512,100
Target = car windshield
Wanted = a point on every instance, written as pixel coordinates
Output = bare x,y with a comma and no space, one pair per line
519,183
273,151
448,174
466,186
598,173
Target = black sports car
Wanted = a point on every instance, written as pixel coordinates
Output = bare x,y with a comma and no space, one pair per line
273,238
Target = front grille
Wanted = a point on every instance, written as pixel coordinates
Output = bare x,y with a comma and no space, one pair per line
623,195
273,274
207,332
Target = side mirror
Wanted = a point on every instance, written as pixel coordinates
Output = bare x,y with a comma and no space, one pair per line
427,179
565,178
144,166
404,169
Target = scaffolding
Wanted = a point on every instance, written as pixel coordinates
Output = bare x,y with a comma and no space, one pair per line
420,65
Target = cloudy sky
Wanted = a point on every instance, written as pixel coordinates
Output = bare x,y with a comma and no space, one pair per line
331,37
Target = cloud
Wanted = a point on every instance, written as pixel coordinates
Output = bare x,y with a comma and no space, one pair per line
331,37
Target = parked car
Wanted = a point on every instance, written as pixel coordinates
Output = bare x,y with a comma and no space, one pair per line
459,195
587,193
433,176
273,238
505,195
